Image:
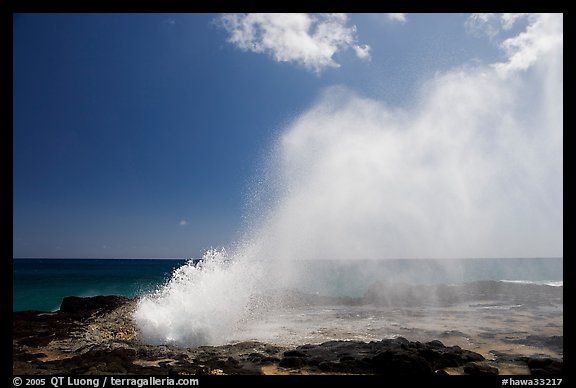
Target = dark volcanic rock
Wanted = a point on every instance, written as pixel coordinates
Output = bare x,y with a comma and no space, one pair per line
390,356
85,307
480,369
401,362
294,353
35,329
99,361
545,366
442,356
291,362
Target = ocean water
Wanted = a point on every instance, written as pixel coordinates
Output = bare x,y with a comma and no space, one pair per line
40,284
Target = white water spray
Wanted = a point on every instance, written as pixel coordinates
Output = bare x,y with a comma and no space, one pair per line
473,169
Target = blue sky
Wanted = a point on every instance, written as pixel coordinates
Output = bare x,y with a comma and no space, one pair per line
140,135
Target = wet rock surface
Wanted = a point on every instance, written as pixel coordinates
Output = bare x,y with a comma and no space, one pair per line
97,336
395,356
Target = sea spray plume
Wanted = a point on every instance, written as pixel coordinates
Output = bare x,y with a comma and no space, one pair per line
456,181
201,303
472,169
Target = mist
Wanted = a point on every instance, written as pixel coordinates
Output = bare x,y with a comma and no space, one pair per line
473,168
472,171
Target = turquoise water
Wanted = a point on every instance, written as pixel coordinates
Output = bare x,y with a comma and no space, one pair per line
40,284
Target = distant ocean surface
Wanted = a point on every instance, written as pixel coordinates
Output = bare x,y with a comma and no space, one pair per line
40,284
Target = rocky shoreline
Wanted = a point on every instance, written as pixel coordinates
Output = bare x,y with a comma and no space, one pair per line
96,336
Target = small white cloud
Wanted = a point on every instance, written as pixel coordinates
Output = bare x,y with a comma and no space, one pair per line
183,222
396,17
310,40
362,51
